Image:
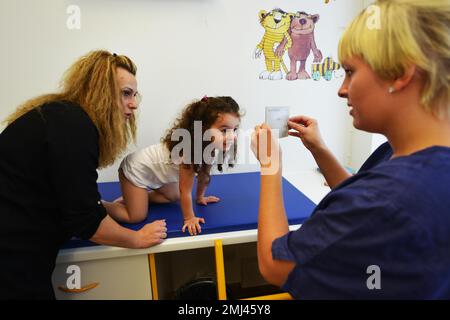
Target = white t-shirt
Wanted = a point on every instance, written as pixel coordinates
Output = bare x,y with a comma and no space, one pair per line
150,168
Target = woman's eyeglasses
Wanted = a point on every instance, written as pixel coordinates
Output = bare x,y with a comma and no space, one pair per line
128,95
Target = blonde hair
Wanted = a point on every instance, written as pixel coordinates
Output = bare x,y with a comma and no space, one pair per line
91,83
410,32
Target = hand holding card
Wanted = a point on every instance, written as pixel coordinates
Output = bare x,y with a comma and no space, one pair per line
277,118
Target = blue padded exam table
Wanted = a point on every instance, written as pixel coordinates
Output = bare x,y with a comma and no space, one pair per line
237,209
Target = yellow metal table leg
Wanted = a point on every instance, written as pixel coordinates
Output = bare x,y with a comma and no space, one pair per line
220,271
153,278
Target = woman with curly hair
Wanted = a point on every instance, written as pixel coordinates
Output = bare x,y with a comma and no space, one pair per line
165,172
49,155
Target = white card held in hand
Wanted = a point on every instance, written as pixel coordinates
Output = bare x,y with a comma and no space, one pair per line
277,119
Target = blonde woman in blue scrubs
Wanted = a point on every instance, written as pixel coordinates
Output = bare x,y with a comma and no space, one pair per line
392,219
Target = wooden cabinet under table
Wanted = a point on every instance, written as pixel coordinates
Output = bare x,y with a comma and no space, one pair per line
228,259
116,277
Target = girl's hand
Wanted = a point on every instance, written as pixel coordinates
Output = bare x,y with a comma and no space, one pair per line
205,200
193,225
266,149
307,129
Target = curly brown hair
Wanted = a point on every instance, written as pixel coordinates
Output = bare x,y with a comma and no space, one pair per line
91,83
206,110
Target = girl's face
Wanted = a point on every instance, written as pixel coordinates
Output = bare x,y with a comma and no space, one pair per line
224,131
367,96
129,97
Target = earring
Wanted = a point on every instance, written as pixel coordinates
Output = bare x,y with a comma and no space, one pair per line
391,90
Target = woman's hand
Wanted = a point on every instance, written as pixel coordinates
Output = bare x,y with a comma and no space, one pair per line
266,149
151,234
307,129
205,200
193,225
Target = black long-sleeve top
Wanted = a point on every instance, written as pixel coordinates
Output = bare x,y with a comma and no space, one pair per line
48,194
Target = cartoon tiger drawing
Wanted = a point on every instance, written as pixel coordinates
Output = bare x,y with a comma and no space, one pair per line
324,69
276,24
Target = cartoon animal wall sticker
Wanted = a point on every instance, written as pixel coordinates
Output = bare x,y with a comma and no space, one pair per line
326,69
302,34
276,24
294,34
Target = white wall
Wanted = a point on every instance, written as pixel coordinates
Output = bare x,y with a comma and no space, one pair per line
183,49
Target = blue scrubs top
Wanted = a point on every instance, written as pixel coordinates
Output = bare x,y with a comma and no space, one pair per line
394,214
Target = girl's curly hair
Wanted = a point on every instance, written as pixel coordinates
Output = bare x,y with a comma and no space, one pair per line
206,110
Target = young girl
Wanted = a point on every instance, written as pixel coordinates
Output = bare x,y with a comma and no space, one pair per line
208,131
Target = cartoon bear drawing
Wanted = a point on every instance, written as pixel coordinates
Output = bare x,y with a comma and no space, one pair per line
302,37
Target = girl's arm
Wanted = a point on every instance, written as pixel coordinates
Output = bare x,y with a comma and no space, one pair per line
191,222
202,183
